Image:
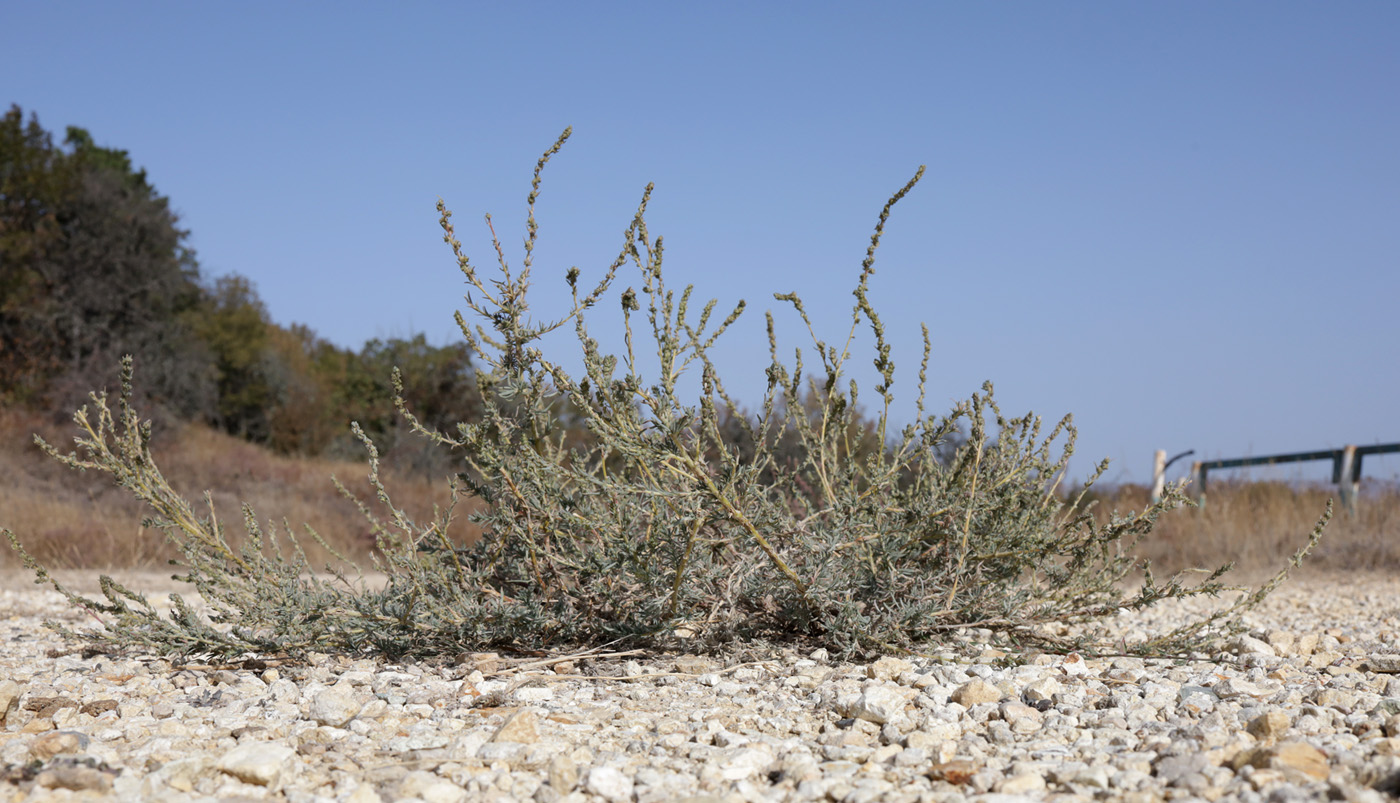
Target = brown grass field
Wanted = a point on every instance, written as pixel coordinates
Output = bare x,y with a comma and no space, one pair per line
71,519
74,520
1258,525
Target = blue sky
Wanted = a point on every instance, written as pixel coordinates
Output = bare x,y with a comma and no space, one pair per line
1178,221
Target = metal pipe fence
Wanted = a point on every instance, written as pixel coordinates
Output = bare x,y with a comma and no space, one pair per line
1346,468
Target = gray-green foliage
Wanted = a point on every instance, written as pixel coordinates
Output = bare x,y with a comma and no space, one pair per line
660,529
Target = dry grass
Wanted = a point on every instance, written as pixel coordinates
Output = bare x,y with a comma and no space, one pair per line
1259,524
69,519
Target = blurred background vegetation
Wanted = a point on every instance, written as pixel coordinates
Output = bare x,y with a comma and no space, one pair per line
94,265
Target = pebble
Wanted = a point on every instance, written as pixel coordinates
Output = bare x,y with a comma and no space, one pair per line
260,763
334,709
1305,705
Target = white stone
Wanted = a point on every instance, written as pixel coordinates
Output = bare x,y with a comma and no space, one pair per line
469,744
430,788
1043,690
333,708
745,762
1074,666
364,793
888,668
259,763
879,703
609,783
976,692
1233,687
1242,645
1021,784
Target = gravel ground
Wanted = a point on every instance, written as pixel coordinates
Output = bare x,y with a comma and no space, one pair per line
1306,707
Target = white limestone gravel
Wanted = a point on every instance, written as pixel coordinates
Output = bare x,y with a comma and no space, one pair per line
1306,706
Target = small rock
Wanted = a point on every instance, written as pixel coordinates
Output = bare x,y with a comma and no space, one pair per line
1196,700
47,707
1242,645
259,763
1020,784
364,793
1303,757
1387,707
97,708
1385,664
77,778
724,738
57,743
1042,691
428,787
1297,756
522,727
563,774
609,783
888,668
954,772
1173,770
879,704
246,730
1324,658
1268,727
534,694
1282,641
745,762
1230,688
911,757
1097,777
1340,699
1392,725
333,708
430,740
469,744
484,662
1074,665
976,692
10,692
1021,717
1262,778
501,751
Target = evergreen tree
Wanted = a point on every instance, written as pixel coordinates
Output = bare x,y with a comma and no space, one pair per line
94,267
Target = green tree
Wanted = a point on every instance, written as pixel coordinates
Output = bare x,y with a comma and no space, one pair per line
439,387
35,181
234,325
95,266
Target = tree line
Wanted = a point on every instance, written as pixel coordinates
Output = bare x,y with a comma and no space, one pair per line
94,265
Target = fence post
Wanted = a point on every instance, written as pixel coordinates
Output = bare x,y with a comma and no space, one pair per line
1198,480
1159,474
1349,478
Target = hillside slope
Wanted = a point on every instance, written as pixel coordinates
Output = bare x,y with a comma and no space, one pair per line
75,519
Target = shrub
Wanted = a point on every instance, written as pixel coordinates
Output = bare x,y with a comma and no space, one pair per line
658,529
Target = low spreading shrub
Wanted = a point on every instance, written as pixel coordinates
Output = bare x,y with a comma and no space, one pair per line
664,528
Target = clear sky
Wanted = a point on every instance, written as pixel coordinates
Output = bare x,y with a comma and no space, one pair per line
1179,221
